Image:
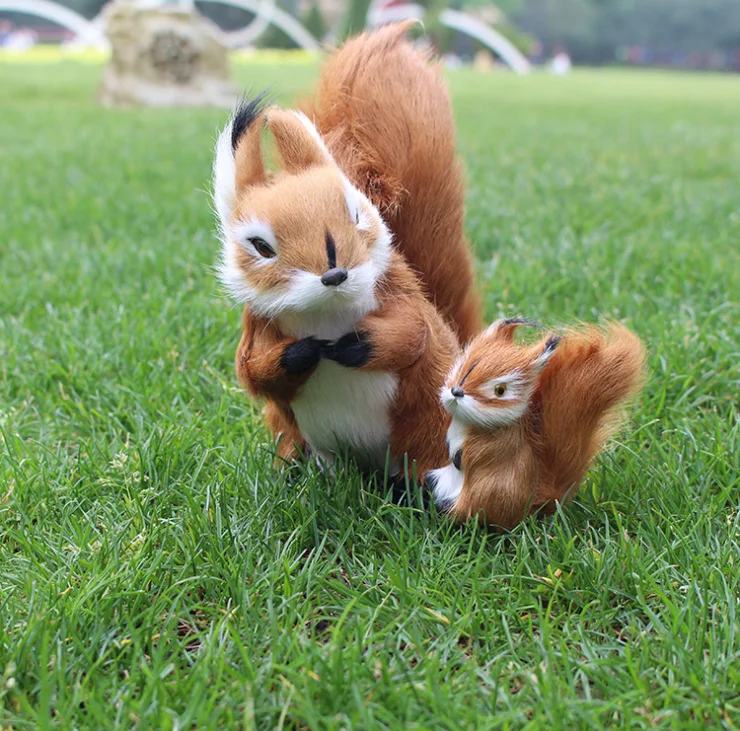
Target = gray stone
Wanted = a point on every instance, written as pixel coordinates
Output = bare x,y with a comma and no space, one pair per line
164,56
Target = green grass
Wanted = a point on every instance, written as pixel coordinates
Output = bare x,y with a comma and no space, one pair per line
156,573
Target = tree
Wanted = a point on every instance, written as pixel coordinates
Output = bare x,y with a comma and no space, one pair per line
356,18
314,22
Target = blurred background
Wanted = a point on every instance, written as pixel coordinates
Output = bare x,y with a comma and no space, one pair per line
693,34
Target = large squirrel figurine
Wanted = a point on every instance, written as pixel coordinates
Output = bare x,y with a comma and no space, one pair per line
346,343
528,420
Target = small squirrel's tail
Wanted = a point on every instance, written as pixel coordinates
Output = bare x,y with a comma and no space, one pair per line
584,389
385,115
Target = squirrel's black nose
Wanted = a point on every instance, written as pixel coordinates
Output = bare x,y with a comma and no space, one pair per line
334,277
457,392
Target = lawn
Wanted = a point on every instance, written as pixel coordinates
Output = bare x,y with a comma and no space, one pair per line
155,572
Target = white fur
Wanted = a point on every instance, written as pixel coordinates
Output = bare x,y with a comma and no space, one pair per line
317,138
224,199
492,329
471,412
380,252
253,228
327,324
448,484
456,437
356,203
447,399
230,275
224,179
306,294
235,238
346,409
497,324
541,361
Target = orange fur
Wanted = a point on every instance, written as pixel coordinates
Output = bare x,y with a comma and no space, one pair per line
385,114
528,420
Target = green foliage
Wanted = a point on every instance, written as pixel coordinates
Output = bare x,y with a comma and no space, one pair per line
592,30
314,22
356,18
155,572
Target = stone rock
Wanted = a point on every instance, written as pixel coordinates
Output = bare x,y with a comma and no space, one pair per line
164,56
483,61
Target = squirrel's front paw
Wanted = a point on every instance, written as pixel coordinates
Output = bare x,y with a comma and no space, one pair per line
352,350
302,355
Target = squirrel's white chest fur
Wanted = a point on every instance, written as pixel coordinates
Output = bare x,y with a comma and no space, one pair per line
448,481
346,410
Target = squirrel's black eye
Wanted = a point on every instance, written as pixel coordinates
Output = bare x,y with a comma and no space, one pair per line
263,248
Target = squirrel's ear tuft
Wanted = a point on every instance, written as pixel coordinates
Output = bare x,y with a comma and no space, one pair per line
245,115
506,328
297,140
238,162
548,351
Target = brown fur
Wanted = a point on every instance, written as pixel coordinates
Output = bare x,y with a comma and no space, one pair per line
385,114
574,406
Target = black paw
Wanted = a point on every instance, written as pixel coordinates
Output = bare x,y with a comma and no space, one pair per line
351,350
408,494
302,355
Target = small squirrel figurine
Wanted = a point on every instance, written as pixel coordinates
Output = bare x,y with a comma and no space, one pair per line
346,343
528,420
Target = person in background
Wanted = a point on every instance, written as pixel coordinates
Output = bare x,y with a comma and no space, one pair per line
561,63
6,30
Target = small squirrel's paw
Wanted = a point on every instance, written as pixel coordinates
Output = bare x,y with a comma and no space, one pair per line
352,350
302,355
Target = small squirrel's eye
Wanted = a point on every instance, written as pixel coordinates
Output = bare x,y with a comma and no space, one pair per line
500,390
263,248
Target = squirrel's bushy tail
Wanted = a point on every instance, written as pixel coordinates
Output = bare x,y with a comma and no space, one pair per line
385,115
584,390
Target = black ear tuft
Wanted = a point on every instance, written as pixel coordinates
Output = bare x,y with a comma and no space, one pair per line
551,344
246,112
520,321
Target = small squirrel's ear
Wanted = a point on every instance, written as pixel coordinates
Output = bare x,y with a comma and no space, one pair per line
505,329
548,351
238,163
297,140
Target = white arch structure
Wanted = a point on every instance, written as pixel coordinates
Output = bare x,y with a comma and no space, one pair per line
250,33
458,21
498,43
90,32
87,31
267,12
